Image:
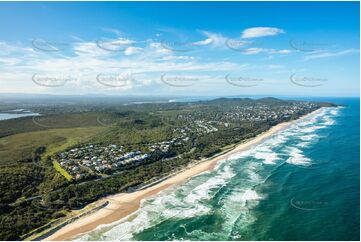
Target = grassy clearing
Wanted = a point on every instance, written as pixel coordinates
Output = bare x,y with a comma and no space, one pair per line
21,146
63,172
46,122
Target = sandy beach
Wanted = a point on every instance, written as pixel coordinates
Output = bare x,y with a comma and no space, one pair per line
123,204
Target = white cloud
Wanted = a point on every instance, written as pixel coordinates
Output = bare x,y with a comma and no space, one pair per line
214,39
261,32
275,67
15,49
10,61
203,42
114,31
324,54
179,57
158,48
84,61
132,50
115,45
254,51
89,49
123,41
272,51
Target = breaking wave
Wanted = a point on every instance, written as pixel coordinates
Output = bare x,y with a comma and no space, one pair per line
230,191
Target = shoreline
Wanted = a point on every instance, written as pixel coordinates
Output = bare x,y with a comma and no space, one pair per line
122,205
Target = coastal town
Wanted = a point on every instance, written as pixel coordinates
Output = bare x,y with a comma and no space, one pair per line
101,160
97,159
75,160
180,120
104,160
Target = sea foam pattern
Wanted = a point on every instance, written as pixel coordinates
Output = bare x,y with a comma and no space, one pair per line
230,191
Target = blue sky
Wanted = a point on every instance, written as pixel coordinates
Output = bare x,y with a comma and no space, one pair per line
180,48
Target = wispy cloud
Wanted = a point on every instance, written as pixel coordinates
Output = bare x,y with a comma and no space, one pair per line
113,31
257,32
157,48
147,59
203,42
326,54
214,39
132,50
178,57
83,61
254,51
9,61
88,48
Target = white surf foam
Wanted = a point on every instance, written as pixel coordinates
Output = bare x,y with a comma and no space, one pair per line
203,191
297,158
267,155
303,144
308,137
250,195
197,190
253,176
335,112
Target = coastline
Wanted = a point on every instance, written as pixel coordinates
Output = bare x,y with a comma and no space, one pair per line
123,204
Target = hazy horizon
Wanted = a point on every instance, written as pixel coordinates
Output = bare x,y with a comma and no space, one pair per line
94,95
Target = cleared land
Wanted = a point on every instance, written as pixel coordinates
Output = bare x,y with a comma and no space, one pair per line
21,146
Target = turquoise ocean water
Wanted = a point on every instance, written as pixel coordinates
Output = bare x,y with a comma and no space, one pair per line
300,184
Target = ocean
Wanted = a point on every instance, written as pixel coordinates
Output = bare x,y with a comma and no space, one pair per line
301,183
